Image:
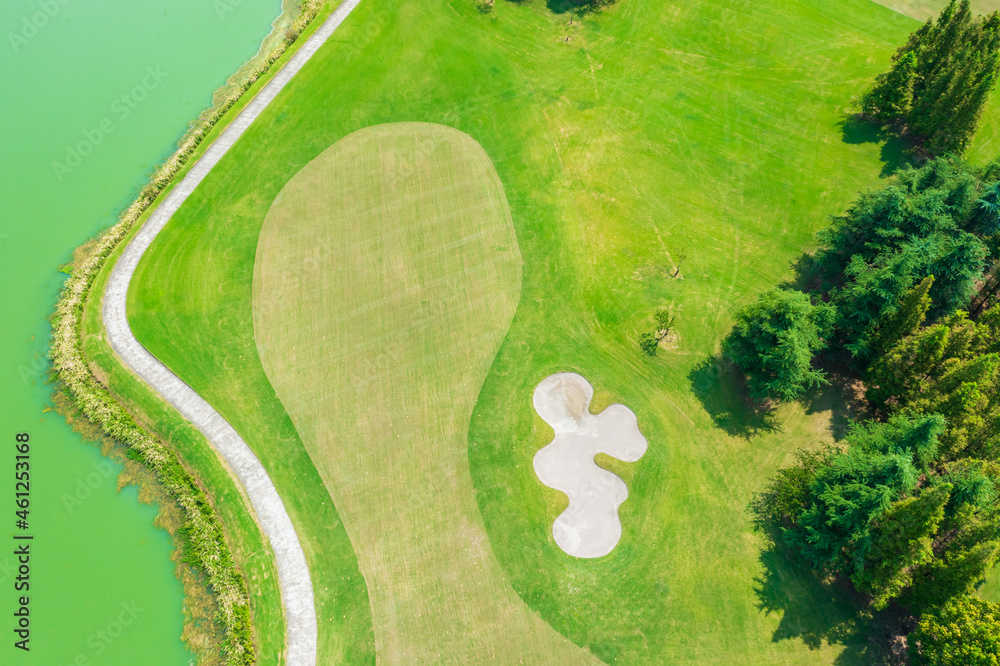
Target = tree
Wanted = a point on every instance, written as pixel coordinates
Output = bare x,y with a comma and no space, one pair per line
900,373
848,521
902,541
960,262
872,292
985,221
965,550
940,80
961,67
891,240
788,494
952,369
912,435
773,342
906,320
964,632
892,95
650,342
847,497
973,482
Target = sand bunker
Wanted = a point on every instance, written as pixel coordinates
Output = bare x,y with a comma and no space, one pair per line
589,527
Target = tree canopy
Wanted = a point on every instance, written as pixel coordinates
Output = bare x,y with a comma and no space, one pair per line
773,342
940,80
965,632
925,224
888,515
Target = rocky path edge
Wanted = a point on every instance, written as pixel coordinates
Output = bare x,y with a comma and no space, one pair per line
293,571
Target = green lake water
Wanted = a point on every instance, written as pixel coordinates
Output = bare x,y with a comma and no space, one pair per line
117,81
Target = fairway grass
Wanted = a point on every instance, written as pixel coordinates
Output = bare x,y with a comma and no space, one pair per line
387,274
705,133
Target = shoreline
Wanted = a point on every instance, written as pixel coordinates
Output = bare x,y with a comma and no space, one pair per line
200,542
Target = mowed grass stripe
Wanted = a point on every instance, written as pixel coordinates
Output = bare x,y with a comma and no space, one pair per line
387,274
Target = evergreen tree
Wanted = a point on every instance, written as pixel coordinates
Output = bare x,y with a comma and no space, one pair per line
915,436
773,342
901,373
847,497
963,565
964,632
947,107
891,240
947,369
960,261
892,95
940,79
902,541
985,221
906,320
872,293
974,483
788,493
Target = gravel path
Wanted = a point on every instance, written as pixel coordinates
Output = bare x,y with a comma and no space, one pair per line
293,571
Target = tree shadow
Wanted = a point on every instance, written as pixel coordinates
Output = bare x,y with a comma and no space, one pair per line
808,275
824,612
578,7
896,150
720,388
843,397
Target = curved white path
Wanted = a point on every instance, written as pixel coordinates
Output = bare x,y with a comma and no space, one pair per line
293,572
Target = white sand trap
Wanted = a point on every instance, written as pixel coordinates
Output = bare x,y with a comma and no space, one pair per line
589,527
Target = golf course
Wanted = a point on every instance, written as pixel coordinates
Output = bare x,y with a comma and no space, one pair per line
453,201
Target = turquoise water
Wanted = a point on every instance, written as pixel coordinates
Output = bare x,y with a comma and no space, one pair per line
93,93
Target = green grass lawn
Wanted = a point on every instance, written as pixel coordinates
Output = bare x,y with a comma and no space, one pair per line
387,274
626,141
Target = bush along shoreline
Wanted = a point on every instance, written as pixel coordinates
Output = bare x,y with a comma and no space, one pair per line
200,539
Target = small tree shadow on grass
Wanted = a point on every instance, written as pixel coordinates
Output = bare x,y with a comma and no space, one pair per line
577,7
896,150
718,385
822,612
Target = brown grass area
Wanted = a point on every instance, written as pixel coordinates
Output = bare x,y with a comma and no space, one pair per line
923,9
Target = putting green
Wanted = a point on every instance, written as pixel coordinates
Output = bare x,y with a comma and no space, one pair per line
387,274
